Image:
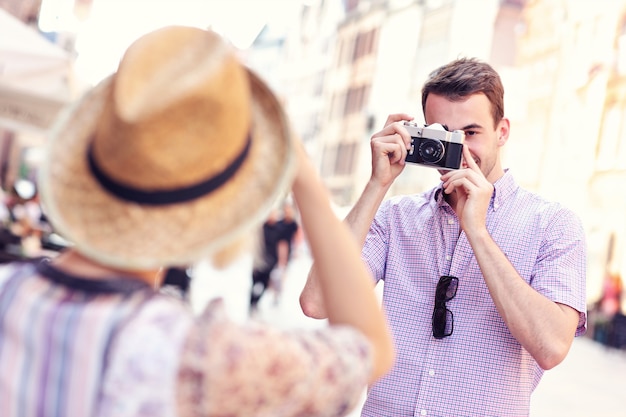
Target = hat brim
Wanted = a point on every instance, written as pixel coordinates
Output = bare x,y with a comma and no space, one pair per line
128,235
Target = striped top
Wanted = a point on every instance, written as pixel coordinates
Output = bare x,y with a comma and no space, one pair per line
481,369
71,347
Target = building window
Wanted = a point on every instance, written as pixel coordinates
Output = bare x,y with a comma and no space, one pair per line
337,105
338,159
364,44
351,5
318,84
344,164
341,52
328,161
356,98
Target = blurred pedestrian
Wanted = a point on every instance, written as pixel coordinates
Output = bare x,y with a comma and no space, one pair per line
29,223
265,259
173,158
607,307
279,235
484,282
177,282
287,238
611,299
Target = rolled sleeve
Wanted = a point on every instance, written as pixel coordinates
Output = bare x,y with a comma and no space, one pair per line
560,272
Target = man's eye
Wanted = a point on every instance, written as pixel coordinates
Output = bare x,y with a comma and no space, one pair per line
470,132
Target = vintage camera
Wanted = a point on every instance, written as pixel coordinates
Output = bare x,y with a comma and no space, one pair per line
434,146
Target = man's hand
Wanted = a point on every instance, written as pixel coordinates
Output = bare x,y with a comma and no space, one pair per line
389,148
473,193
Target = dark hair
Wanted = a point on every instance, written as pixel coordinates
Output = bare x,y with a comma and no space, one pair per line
463,77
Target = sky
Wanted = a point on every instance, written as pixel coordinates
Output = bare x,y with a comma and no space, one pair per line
113,24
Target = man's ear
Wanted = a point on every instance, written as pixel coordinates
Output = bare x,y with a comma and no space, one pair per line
503,130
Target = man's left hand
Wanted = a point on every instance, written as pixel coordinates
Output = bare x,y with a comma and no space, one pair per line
473,193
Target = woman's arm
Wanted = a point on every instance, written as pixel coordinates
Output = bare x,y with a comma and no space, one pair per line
344,281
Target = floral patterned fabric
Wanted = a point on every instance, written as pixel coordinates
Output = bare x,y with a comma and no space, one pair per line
255,370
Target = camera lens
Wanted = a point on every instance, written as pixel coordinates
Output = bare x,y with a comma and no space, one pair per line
430,150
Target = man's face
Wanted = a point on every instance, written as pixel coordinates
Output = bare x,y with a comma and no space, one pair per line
473,116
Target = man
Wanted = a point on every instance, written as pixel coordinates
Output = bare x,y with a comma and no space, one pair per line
484,281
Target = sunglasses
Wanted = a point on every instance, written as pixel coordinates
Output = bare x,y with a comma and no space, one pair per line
443,319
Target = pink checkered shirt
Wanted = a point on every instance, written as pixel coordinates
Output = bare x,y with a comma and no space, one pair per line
481,369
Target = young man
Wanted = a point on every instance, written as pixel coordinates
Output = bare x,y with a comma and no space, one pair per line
484,281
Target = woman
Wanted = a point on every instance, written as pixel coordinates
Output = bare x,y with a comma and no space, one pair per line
178,156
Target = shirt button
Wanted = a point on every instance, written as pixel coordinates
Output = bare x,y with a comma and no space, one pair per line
423,412
448,257
431,372
450,221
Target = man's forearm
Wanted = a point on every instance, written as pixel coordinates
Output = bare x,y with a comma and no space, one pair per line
544,328
360,217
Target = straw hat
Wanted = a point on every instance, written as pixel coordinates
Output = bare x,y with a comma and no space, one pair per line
177,154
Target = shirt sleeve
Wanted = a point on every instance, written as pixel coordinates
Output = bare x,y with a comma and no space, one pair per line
560,272
376,246
230,369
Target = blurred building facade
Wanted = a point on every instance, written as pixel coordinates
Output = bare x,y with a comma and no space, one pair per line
35,84
572,127
26,11
563,63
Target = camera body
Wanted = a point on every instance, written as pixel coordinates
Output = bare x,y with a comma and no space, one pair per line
433,146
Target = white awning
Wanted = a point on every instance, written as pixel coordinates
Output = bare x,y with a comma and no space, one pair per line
34,77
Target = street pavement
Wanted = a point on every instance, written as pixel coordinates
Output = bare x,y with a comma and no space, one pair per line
590,382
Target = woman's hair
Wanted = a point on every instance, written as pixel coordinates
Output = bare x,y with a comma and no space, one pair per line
463,77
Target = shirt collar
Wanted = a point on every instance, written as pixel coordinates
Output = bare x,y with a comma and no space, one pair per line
115,284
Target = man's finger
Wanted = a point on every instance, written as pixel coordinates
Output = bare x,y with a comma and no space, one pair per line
469,159
397,117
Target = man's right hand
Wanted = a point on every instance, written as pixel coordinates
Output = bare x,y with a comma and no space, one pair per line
389,148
